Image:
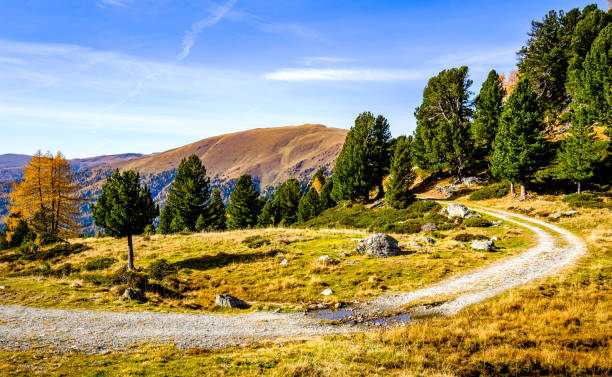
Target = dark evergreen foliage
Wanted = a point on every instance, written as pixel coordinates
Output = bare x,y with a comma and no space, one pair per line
268,214
325,197
243,209
488,112
216,213
401,175
309,206
286,201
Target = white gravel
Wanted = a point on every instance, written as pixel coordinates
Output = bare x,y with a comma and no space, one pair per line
97,331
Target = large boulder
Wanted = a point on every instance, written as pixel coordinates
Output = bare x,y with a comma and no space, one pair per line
458,210
482,245
229,301
379,245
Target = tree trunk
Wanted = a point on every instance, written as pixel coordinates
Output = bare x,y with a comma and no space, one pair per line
512,190
523,192
381,191
130,253
579,188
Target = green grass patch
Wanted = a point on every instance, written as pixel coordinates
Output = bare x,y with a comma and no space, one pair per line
585,200
100,263
496,190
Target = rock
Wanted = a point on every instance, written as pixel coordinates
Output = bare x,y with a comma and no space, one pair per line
468,181
131,294
528,209
457,210
2,287
429,240
495,238
428,227
379,245
277,310
343,254
324,258
556,215
482,245
338,305
496,223
327,292
570,213
76,285
229,301
352,262
284,262
415,244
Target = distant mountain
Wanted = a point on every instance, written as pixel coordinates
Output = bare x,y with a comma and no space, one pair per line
270,155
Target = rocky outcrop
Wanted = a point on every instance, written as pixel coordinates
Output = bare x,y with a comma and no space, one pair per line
229,301
379,245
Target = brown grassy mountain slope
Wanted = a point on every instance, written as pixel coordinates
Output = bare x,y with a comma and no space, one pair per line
271,154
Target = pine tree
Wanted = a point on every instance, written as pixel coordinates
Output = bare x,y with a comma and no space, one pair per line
318,180
189,193
442,138
243,209
519,142
216,212
178,225
363,160
488,111
325,197
401,175
200,224
268,214
578,152
165,219
287,200
124,208
309,206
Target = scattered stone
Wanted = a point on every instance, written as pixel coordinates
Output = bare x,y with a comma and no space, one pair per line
338,305
133,294
76,284
495,238
2,286
458,210
356,239
556,215
379,245
284,262
468,181
352,262
327,292
496,222
229,301
482,245
429,240
570,213
343,254
428,227
528,209
324,258
277,310
415,244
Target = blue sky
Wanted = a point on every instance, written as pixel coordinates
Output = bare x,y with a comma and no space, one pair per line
91,77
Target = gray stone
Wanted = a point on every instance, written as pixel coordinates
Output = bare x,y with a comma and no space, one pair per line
428,227
379,245
284,262
352,262
324,258
76,285
468,181
495,238
3,287
570,213
556,215
482,245
133,294
457,210
496,223
327,292
415,244
429,240
229,301
528,209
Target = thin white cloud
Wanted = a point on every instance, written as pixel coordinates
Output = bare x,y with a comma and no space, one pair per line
217,13
114,3
325,74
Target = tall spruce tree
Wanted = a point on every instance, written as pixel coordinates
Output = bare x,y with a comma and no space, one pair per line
519,142
363,160
216,212
442,138
243,209
325,198
309,205
401,175
189,193
578,152
267,216
286,201
488,111
124,208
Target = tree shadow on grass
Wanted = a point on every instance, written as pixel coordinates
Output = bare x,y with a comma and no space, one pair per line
222,259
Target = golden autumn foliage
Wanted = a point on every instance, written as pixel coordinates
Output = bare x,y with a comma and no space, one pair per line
47,195
317,185
510,82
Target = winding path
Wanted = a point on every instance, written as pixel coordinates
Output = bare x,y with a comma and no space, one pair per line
97,331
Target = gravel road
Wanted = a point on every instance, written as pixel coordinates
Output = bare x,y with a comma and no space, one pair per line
99,331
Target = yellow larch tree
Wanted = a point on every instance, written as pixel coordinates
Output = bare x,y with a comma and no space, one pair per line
47,196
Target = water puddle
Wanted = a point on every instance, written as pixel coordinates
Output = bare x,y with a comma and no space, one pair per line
348,316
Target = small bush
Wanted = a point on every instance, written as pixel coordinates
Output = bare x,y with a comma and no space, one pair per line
29,250
160,269
63,249
467,237
422,206
476,222
497,190
100,263
447,226
99,279
132,279
255,242
585,200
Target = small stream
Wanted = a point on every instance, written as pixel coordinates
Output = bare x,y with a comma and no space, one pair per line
348,316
